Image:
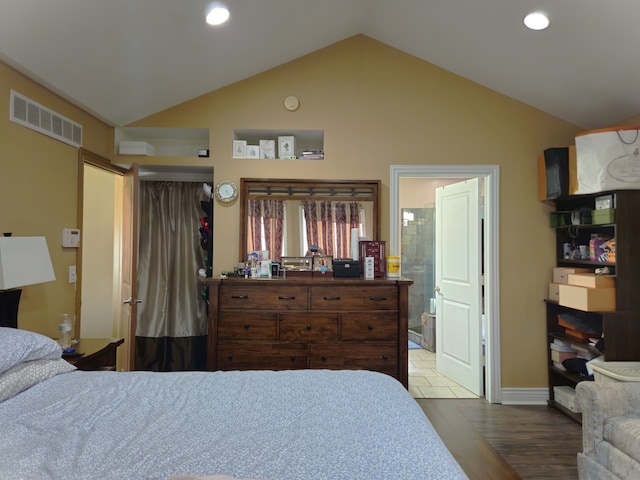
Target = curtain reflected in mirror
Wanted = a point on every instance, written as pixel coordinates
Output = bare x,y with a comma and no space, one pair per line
289,217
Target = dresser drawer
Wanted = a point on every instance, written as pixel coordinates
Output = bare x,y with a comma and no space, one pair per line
309,326
248,326
263,297
355,298
261,356
381,358
373,326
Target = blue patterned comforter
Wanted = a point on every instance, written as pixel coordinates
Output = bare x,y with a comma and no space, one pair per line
289,425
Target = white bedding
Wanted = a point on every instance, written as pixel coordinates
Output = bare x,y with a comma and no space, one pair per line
289,425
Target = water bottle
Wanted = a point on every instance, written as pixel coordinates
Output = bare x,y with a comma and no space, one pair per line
64,329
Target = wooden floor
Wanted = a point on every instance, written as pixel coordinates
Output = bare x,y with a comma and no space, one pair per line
492,441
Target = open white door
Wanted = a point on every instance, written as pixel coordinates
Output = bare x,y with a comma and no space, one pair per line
458,285
130,262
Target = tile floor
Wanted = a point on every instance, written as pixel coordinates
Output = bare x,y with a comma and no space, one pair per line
426,382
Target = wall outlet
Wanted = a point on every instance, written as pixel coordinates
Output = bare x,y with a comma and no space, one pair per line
72,274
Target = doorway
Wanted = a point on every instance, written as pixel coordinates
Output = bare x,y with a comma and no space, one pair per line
490,174
109,280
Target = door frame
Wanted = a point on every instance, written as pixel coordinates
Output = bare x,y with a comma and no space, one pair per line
491,237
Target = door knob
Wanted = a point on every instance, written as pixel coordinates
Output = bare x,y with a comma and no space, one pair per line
130,301
437,290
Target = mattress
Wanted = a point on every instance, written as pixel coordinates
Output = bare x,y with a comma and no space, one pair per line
286,425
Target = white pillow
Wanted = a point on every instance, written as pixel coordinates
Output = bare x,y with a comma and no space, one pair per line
27,374
18,346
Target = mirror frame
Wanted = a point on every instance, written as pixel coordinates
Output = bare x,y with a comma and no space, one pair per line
301,189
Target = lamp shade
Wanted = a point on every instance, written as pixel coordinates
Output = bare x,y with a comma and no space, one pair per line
24,261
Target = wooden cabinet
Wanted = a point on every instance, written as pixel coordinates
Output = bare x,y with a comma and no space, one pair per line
620,327
299,323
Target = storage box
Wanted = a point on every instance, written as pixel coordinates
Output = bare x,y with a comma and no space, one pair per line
616,371
591,280
296,267
346,268
135,148
587,299
566,396
560,274
603,216
554,291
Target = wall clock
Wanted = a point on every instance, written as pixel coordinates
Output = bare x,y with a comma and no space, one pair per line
226,191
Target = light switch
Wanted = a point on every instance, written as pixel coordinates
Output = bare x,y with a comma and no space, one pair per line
72,274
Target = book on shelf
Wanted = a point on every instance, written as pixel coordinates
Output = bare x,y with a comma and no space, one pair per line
562,356
579,348
561,346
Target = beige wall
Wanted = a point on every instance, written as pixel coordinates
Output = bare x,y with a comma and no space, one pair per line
377,107
38,193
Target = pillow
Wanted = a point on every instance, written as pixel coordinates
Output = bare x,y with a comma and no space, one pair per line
21,346
27,374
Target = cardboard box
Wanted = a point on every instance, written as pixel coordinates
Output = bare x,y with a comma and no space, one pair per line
560,274
591,280
554,291
587,299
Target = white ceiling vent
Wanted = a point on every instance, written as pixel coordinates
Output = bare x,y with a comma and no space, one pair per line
31,114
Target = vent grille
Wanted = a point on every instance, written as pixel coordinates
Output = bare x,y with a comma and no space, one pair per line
32,115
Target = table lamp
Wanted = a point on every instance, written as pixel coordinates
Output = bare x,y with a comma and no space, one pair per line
23,261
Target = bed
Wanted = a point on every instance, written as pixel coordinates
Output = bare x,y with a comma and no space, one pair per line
60,423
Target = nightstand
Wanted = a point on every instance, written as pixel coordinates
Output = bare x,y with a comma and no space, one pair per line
99,353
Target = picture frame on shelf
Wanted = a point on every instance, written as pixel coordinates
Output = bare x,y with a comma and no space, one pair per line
253,151
267,149
239,149
286,147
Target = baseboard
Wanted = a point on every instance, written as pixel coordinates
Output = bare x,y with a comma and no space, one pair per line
524,396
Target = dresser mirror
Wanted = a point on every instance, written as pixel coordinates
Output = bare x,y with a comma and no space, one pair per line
293,201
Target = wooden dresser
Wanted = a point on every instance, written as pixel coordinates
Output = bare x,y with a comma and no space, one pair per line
295,323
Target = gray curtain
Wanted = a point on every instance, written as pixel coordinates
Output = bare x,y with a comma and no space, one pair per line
171,329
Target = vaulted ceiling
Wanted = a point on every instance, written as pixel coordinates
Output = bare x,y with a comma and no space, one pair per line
126,59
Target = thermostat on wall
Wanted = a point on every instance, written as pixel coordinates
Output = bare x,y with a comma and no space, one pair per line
70,237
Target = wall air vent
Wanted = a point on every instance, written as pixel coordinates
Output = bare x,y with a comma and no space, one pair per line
32,115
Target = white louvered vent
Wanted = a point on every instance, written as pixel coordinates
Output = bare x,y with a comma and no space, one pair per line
31,114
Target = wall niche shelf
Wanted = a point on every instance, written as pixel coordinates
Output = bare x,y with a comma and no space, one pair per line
163,142
308,144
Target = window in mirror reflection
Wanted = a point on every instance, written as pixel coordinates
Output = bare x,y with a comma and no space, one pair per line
326,224
329,224
266,226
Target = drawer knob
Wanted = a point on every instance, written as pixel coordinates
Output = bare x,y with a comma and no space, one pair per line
285,297
229,357
240,297
370,327
324,358
293,358
246,326
308,327
385,357
331,299
377,299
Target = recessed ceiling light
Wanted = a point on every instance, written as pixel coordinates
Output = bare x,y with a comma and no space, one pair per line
218,14
536,21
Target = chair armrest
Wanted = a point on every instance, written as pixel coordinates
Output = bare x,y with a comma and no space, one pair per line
599,402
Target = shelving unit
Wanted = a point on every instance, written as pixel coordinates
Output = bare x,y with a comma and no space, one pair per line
621,328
